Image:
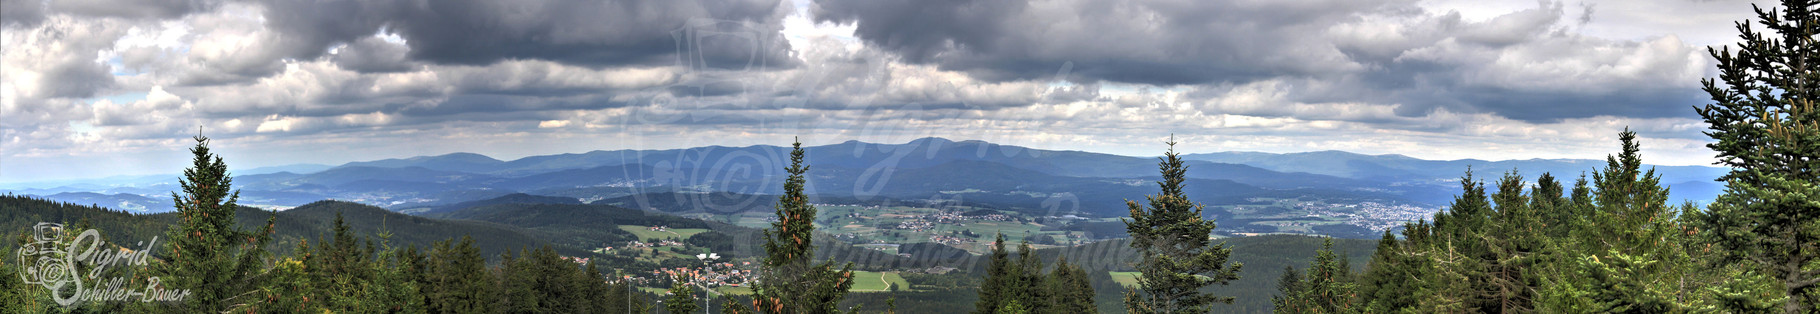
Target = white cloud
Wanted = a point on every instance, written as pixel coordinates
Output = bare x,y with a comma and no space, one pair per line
1509,79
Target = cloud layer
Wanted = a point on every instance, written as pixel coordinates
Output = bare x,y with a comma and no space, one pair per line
91,78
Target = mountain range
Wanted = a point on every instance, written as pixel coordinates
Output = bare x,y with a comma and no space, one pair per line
924,170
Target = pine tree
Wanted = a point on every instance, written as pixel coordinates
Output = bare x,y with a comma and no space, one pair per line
1178,256
553,278
592,290
998,270
1628,250
789,280
217,262
340,269
1391,278
13,296
682,295
1767,129
1460,253
1070,291
1289,292
459,281
1515,243
395,290
1027,288
517,291
1327,287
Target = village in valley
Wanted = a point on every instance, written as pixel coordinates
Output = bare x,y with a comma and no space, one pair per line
889,228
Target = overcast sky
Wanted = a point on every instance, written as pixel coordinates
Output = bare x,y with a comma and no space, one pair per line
94,88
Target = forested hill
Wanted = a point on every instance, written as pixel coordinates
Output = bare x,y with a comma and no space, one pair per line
308,222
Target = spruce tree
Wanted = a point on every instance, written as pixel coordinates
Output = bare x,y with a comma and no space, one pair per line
218,263
1514,242
1289,292
1178,256
1766,127
789,280
1327,287
1391,279
1027,288
1628,251
1066,289
682,295
517,292
992,289
1070,291
458,279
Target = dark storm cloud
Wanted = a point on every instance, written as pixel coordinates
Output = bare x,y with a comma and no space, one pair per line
921,29
1150,42
21,12
1527,65
717,33
505,104
373,55
153,9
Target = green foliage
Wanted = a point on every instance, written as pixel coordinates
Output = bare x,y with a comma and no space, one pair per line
1326,288
1621,261
682,295
456,280
789,280
1179,258
1070,289
209,255
1022,287
1766,127
1391,276
1613,245
998,279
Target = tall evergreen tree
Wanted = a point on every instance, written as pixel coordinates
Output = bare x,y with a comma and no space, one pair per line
1391,278
682,295
1631,247
1066,289
1515,243
1070,291
1178,256
1327,287
789,279
458,279
218,263
1029,281
516,293
998,270
1289,291
1766,127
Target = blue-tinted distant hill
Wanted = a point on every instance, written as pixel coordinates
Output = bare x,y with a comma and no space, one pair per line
514,198
1686,182
130,203
456,162
1003,176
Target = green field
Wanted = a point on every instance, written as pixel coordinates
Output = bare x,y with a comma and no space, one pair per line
866,281
863,281
1125,278
733,290
644,233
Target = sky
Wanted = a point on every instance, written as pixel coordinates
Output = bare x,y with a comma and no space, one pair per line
96,88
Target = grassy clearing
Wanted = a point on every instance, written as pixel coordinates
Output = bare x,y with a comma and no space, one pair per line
1125,278
645,233
733,290
866,281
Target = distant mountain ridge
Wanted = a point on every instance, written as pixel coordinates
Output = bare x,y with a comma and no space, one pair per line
988,174
1686,182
